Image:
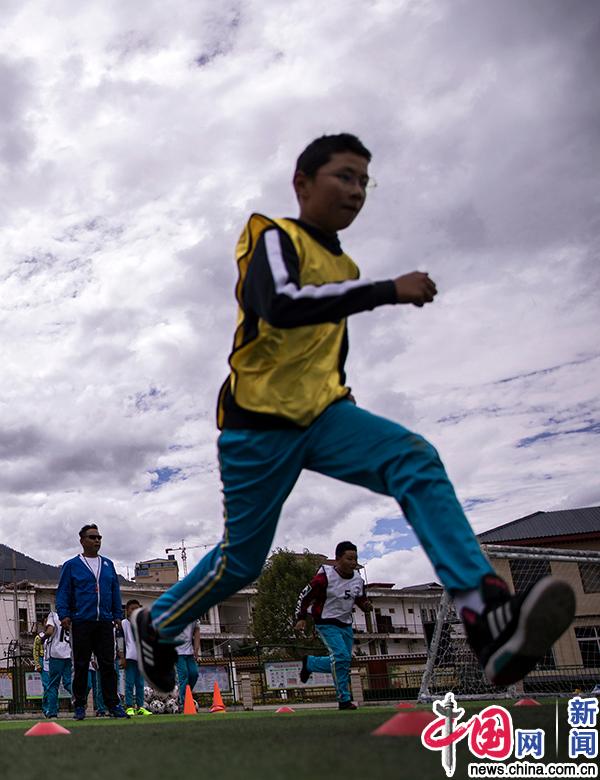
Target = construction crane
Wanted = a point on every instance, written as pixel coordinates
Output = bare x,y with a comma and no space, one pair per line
184,550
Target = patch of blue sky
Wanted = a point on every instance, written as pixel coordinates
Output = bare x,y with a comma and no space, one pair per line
163,475
389,534
550,370
472,503
459,417
153,399
528,441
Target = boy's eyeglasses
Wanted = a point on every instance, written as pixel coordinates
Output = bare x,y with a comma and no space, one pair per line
351,179
93,537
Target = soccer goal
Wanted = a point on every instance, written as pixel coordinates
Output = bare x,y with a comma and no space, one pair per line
573,663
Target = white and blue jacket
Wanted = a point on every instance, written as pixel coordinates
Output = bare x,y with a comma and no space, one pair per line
78,597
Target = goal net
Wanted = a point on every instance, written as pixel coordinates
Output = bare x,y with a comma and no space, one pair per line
573,663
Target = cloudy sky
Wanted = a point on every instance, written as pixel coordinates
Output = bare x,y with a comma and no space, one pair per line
135,139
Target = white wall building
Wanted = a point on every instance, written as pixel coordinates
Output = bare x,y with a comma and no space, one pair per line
398,625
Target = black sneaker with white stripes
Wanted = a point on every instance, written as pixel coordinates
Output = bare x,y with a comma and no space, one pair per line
156,659
516,631
304,673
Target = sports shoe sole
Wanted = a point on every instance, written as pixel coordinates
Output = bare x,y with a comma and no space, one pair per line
163,683
546,613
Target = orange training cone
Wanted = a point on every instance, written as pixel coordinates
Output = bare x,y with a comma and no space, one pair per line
527,703
46,730
405,724
189,708
284,709
217,705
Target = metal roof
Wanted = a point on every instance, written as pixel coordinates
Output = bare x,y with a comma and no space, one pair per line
427,586
543,525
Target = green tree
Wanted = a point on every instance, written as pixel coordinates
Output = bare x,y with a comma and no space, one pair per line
284,576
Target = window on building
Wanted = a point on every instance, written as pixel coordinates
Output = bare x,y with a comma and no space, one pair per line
384,624
410,610
527,572
590,577
42,610
207,648
392,611
383,647
23,627
588,639
205,619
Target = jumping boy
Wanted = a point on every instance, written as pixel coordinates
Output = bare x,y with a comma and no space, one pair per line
286,407
330,597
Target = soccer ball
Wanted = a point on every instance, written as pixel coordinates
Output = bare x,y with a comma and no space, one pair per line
172,706
148,693
157,706
160,695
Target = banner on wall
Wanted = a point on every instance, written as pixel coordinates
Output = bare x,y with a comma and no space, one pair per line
286,674
207,675
6,691
34,688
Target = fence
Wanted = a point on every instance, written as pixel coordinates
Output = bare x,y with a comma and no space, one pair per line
276,679
271,681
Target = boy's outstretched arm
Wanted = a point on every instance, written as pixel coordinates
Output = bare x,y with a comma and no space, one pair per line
273,290
314,593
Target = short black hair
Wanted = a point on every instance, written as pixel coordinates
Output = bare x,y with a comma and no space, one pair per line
132,601
83,531
343,546
319,151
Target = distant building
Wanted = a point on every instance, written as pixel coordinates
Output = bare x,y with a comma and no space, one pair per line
163,571
570,529
400,621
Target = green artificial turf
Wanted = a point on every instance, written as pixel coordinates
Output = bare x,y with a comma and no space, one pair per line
307,744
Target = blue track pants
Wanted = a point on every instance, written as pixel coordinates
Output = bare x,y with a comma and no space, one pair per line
187,674
134,684
338,642
94,686
45,676
259,470
58,669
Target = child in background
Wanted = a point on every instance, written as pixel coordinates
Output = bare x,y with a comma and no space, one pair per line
188,654
134,681
40,664
95,687
330,597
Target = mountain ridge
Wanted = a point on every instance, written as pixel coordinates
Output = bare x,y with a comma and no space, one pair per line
27,568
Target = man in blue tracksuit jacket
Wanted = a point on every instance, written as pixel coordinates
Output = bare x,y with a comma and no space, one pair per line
88,602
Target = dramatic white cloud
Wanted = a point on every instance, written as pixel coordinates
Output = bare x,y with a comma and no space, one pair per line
136,137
